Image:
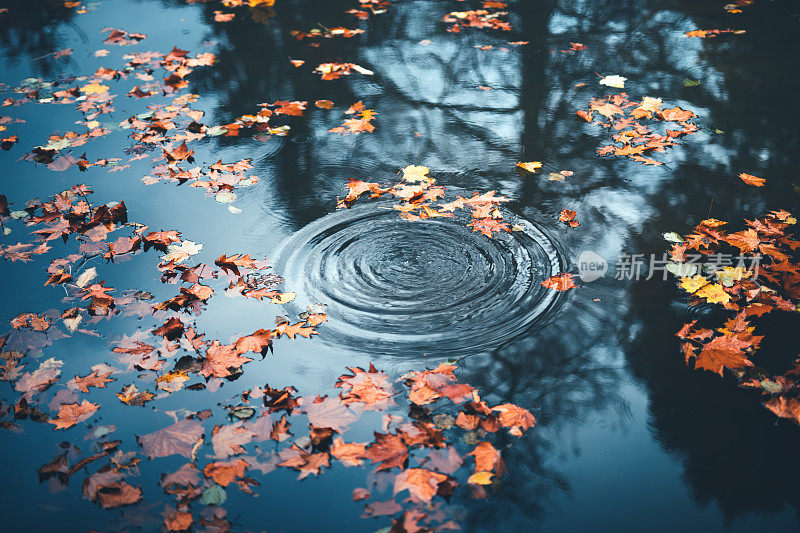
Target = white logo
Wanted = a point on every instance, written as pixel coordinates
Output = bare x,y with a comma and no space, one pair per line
591,266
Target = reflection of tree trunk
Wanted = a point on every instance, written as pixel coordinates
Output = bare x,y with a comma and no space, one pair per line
534,27
31,30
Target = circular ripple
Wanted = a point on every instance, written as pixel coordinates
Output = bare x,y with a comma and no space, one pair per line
435,287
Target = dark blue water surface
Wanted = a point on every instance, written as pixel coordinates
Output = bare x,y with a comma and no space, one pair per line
628,437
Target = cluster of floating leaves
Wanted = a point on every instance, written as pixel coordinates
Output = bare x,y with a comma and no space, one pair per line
491,16
417,194
711,33
418,198
418,453
424,452
626,120
765,279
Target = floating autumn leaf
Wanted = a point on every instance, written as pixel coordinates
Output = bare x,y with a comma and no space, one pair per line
130,395
178,521
94,88
225,473
488,226
221,359
371,387
324,104
481,478
752,180
171,381
361,494
676,114
714,293
559,176
693,284
294,329
180,153
333,71
219,16
297,62
71,414
306,463
357,125
515,417
330,413
95,379
415,174
710,33
257,342
420,483
614,81
388,450
348,453
178,439
531,166
725,351
567,216
784,407
283,298
118,495
486,456
560,282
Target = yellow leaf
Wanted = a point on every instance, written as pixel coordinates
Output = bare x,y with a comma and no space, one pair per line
481,478
714,294
286,297
730,274
254,3
531,166
93,88
691,285
414,173
650,104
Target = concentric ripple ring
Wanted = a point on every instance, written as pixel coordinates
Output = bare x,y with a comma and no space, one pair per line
427,287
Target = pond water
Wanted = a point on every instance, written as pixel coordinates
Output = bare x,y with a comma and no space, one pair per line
628,437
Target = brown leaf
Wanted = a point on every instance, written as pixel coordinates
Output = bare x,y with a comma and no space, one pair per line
225,473
420,482
179,438
72,413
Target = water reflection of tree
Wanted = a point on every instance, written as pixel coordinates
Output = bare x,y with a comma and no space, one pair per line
569,371
30,30
472,137
734,451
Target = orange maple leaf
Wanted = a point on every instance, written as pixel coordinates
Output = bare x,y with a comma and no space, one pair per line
72,413
560,282
725,351
421,483
752,180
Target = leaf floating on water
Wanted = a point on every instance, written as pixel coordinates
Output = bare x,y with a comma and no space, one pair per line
481,478
283,298
671,236
531,166
559,176
567,216
614,81
214,495
225,197
755,181
560,282
71,414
